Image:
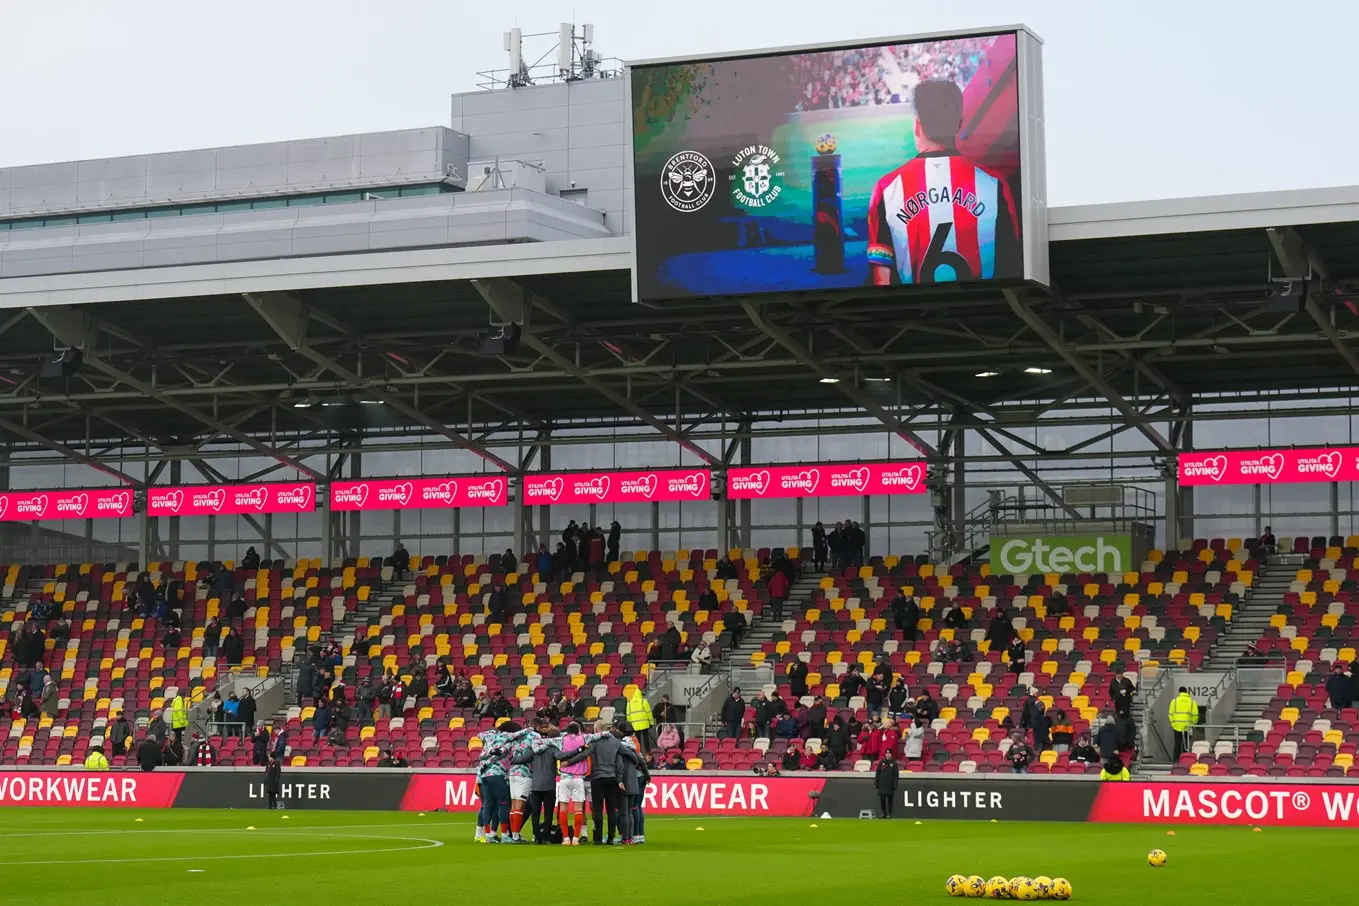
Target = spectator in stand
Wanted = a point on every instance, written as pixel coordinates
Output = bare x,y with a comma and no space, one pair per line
544,564
827,760
230,725
497,604
888,737
29,651
400,562
392,759
792,759
212,637
595,546
786,728
1020,755
561,564
858,544
281,741
926,708
446,683
1018,656
1268,541
1339,686
48,702
906,616
1057,605
1063,733
810,761
837,738
149,754
464,696
365,700
876,694
956,618
702,657
1121,692
259,745
251,560
119,736
179,718
204,755
320,721
663,712
677,762
670,641
835,542
235,610
172,754
1083,752
816,718
500,704
508,562
853,684
797,676
708,600
61,633
734,621
1041,726
899,698
233,647
819,547
778,592
869,742
40,611
915,740
764,715
339,706
1108,740
725,569
615,539
885,780
733,715
1001,629
419,684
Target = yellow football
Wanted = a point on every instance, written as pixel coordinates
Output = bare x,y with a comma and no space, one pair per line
1061,889
974,887
998,888
1156,858
825,144
955,885
1043,884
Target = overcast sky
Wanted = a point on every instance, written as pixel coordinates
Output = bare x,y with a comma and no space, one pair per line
1147,100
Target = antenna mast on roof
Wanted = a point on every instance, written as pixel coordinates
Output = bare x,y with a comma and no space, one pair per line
572,58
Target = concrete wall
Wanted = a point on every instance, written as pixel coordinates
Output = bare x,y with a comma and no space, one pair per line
576,129
354,162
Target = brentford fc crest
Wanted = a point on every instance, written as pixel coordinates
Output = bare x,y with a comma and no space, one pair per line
688,181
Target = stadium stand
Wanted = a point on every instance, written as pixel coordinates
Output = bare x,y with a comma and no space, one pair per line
590,632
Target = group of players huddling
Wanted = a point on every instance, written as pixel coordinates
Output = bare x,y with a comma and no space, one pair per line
548,771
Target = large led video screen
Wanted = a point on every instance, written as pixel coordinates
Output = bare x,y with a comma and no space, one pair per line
898,164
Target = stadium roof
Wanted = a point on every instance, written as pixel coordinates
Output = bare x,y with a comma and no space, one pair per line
1153,304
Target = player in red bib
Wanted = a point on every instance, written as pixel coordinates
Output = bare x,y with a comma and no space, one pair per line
941,218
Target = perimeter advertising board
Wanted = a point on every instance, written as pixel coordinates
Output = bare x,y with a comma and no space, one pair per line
1065,554
910,161
1294,466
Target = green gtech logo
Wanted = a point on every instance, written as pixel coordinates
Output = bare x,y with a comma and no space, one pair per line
1091,553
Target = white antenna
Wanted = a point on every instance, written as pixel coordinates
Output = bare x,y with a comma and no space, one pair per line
514,45
565,50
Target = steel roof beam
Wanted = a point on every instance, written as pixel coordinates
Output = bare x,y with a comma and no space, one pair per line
288,317
1300,262
504,296
1022,309
74,329
844,383
68,452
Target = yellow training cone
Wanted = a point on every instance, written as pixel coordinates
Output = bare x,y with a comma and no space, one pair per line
251,827
138,821
698,828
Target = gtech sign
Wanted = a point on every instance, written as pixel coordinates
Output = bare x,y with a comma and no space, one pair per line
1065,554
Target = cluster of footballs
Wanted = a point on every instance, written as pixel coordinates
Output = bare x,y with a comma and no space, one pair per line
1021,888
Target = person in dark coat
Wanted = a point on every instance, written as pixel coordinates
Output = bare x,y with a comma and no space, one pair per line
1108,740
259,746
816,719
837,738
876,693
885,780
956,618
1018,656
906,616
235,611
1338,687
149,754
797,677
819,547
926,708
1000,631
245,711
735,622
251,560
615,539
733,714
497,604
1042,728
233,647
854,683
1028,707
1121,692
670,643
273,783
764,715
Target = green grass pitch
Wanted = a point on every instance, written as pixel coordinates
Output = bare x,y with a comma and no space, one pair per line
57,856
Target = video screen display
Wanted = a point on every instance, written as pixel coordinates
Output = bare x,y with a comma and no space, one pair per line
889,165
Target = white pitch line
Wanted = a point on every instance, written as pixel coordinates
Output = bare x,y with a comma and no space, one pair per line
428,844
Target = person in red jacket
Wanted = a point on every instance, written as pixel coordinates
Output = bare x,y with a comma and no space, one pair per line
778,592
870,745
888,739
